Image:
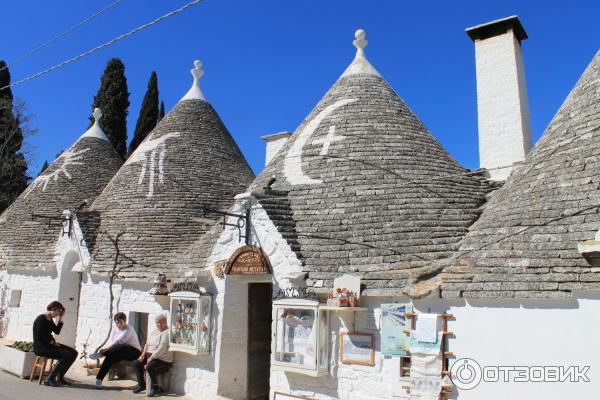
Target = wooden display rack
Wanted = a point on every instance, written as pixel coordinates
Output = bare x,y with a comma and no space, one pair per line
443,348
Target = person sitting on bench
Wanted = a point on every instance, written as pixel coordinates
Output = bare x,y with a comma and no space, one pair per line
44,344
122,345
156,356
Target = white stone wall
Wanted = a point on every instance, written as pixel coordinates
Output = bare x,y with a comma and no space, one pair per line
198,376
502,104
37,290
493,332
4,298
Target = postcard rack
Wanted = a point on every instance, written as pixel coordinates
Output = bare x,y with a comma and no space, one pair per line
443,348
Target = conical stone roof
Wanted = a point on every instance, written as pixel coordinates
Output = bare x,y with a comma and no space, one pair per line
363,187
526,242
79,174
154,203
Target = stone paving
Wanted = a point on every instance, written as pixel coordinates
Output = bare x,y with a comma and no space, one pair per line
13,388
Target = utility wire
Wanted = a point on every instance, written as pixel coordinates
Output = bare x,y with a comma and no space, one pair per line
61,35
103,45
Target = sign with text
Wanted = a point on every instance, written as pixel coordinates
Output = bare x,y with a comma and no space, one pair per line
248,260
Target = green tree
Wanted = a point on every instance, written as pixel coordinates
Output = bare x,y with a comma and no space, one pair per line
13,166
161,112
43,167
113,99
148,117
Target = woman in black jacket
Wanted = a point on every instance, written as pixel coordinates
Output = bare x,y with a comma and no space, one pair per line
44,344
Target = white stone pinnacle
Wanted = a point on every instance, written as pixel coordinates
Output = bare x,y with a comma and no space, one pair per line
95,130
360,65
97,115
195,93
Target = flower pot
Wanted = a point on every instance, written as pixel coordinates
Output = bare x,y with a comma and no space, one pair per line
16,361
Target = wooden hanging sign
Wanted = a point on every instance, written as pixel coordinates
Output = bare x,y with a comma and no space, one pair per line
248,260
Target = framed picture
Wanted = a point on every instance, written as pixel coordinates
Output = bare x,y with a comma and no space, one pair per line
357,348
287,396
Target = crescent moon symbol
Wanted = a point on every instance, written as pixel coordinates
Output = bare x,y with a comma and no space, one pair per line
292,166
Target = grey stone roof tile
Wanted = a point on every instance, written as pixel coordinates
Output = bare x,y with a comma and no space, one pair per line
79,174
526,239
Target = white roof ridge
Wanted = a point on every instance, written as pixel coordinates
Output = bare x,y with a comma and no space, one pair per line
95,130
360,64
195,93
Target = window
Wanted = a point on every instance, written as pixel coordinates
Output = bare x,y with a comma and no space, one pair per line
15,298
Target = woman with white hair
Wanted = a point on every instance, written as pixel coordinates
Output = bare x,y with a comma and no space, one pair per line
155,356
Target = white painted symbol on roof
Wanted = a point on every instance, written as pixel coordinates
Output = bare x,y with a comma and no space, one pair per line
68,158
152,153
292,165
327,140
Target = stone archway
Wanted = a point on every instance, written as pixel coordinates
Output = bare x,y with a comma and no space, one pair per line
68,295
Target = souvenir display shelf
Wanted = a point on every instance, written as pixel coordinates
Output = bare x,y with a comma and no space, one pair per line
300,337
189,328
446,390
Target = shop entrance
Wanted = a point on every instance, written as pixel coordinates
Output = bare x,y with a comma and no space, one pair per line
259,339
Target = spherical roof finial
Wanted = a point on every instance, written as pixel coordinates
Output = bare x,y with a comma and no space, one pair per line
360,42
195,93
197,72
97,114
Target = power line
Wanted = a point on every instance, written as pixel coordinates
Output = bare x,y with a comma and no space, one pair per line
103,45
61,35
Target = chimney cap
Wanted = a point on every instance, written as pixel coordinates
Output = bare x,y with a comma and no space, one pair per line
497,27
276,136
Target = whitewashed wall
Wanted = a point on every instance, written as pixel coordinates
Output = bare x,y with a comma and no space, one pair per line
38,288
493,332
197,376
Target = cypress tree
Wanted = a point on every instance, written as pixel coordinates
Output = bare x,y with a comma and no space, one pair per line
113,99
161,112
43,167
148,114
13,167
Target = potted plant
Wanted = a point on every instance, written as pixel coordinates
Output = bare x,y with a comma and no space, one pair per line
17,358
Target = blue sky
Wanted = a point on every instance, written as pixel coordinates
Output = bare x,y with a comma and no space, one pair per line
268,63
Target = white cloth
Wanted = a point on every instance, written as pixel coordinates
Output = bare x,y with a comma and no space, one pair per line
425,388
425,366
426,328
123,336
158,345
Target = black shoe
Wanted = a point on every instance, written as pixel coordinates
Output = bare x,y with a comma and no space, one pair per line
139,389
152,393
50,382
64,382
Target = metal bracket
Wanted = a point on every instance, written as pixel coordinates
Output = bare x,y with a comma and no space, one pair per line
54,221
243,221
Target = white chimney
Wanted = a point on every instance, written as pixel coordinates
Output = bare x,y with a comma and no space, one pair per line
502,105
275,142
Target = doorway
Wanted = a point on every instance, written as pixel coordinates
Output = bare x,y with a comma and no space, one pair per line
259,340
68,295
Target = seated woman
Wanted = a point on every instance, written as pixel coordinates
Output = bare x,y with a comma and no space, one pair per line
156,356
44,344
123,344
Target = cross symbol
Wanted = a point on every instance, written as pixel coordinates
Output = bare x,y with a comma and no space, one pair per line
327,140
